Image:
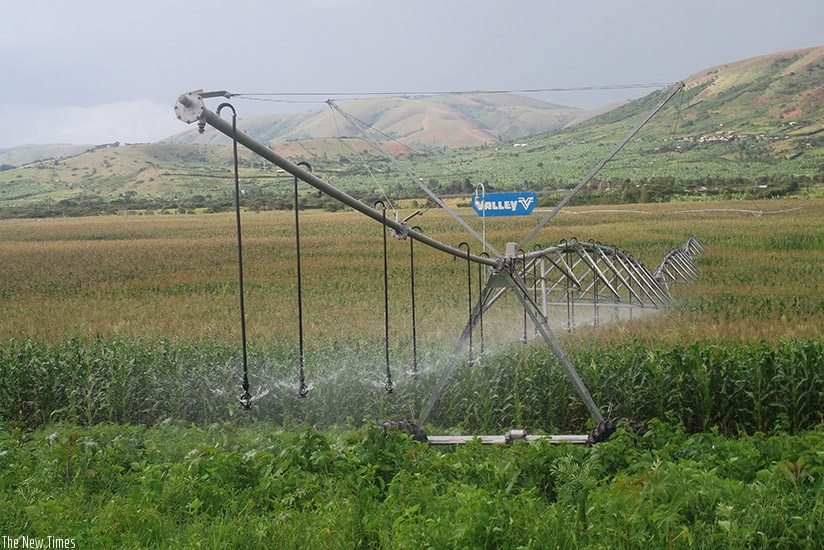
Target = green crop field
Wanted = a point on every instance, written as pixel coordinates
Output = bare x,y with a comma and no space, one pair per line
120,367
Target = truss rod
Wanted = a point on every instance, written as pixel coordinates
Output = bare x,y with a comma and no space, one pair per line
356,123
565,270
600,165
554,345
686,264
611,264
632,275
682,263
689,264
599,275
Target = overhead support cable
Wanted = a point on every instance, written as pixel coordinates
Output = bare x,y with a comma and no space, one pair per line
600,165
366,165
606,87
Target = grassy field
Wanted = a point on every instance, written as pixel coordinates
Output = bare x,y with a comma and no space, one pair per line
176,276
160,292
120,369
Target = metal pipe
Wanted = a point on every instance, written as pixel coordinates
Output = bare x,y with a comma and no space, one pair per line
190,108
469,295
414,317
549,337
245,398
389,386
303,390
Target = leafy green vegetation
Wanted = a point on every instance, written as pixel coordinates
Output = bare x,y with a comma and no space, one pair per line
729,388
120,370
230,485
647,172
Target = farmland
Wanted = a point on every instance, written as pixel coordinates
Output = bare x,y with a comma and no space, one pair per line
120,367
176,276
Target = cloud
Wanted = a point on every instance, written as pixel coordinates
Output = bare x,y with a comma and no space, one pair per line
137,121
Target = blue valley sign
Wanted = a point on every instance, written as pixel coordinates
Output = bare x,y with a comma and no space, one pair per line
504,204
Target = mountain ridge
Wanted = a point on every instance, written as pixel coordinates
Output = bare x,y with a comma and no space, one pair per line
428,122
756,119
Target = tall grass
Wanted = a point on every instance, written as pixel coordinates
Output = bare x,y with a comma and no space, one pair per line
175,276
139,381
733,388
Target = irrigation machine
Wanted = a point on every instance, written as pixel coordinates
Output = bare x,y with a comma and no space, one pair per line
584,277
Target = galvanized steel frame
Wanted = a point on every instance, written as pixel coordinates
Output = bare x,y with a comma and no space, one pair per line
579,272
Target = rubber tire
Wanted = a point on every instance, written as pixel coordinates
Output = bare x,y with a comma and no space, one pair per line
404,426
606,428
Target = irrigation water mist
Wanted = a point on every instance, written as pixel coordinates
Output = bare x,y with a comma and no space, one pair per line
345,387
140,381
145,381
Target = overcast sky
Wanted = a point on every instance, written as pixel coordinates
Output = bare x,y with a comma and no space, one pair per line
88,71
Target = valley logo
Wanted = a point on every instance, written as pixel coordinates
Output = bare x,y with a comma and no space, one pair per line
504,204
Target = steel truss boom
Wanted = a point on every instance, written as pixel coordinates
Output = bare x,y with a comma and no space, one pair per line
577,268
679,266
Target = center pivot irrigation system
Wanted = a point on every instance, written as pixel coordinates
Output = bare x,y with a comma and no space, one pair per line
571,274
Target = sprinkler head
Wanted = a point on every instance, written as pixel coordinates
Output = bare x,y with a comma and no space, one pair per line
246,400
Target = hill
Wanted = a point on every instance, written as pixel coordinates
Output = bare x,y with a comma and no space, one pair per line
751,128
425,123
751,122
26,154
781,93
